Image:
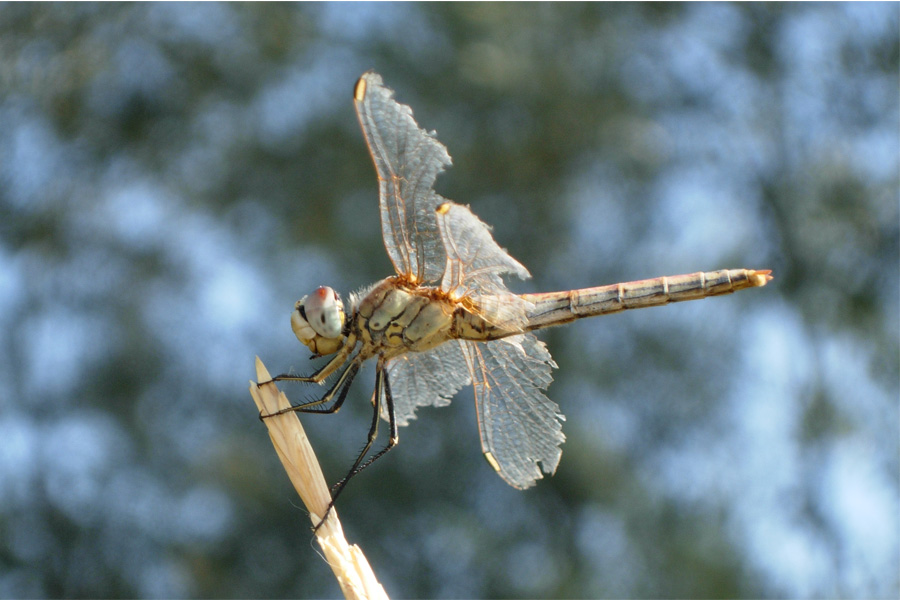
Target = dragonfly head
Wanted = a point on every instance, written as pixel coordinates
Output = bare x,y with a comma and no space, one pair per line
318,321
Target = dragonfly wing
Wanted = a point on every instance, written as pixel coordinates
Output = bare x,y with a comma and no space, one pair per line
407,160
520,427
428,378
475,264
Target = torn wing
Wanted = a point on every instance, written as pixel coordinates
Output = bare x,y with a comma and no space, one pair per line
407,160
519,426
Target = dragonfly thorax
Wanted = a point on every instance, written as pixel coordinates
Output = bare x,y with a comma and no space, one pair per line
393,318
318,321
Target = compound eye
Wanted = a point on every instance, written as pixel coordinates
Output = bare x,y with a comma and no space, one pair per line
325,312
301,327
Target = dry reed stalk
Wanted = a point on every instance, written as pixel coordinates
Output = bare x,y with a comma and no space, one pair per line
350,566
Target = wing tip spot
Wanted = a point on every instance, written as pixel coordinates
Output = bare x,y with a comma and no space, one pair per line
359,90
492,461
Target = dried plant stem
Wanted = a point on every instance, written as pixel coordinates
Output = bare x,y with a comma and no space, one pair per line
350,566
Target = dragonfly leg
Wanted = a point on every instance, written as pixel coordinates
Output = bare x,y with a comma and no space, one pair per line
337,488
343,384
382,390
392,421
330,367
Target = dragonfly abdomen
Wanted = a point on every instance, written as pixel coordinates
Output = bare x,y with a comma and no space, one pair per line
557,308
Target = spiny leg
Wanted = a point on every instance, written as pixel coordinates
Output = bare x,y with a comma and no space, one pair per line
327,369
392,421
343,384
382,387
338,487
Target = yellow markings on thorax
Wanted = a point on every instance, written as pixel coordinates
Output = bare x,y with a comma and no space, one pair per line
392,305
394,316
429,328
393,335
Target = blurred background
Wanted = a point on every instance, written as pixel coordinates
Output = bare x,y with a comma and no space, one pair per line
173,177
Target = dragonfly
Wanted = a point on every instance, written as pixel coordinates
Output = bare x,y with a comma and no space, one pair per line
446,320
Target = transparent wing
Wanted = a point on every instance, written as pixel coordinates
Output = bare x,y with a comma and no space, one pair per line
407,160
520,427
429,378
475,264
